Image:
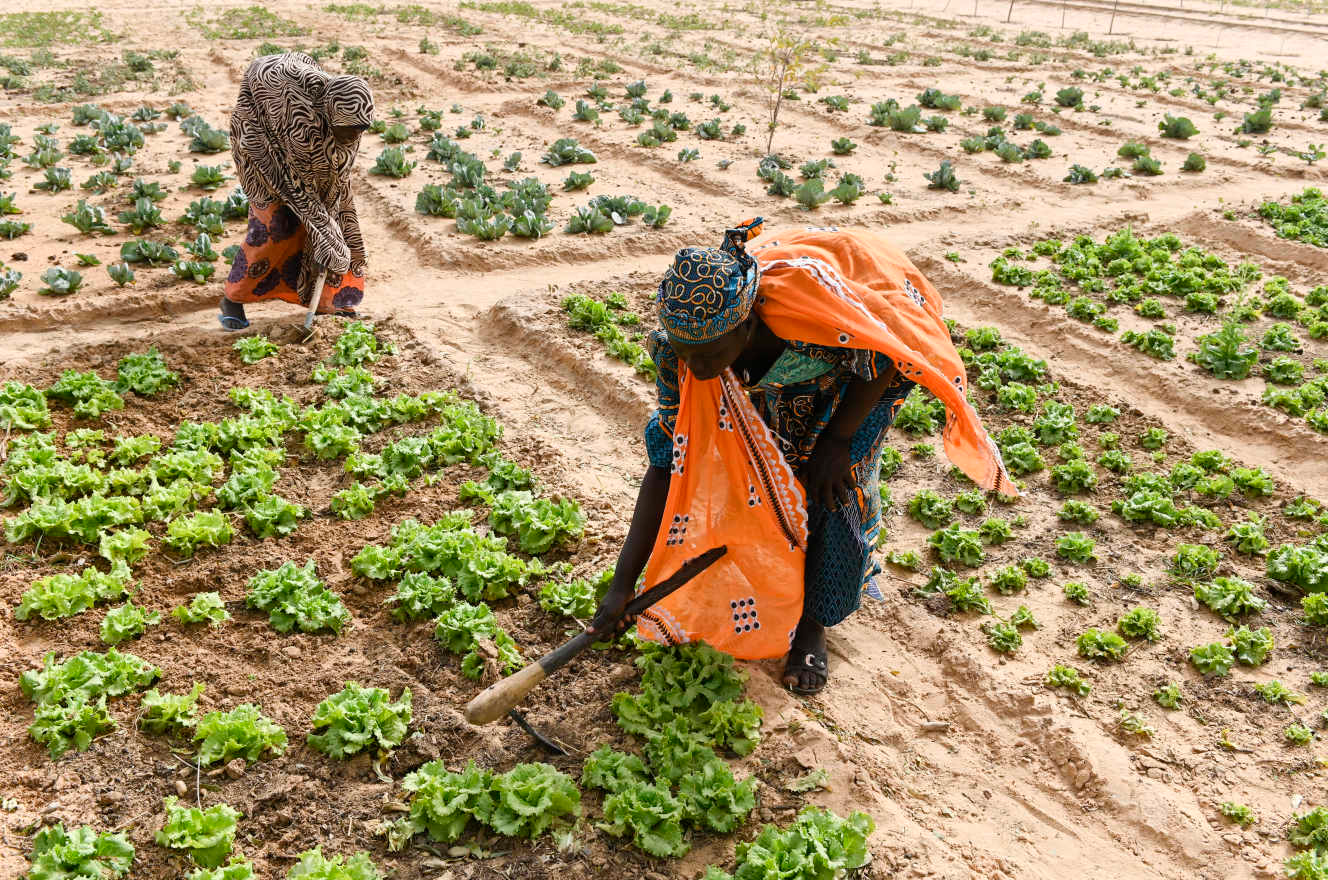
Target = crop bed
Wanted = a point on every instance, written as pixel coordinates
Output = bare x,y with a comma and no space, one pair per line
331,620
240,662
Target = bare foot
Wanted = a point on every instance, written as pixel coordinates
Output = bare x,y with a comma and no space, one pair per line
805,671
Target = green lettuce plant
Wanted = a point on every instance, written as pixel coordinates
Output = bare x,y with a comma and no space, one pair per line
127,621
204,528
208,834
203,608
62,595
652,817
819,843
80,852
170,713
359,718
242,732
611,770
71,695
313,865
295,598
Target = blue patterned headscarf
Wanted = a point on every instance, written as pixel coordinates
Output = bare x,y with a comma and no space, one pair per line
709,291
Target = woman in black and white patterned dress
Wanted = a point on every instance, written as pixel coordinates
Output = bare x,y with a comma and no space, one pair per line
295,133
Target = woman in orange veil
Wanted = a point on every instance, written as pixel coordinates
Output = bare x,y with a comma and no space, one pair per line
780,371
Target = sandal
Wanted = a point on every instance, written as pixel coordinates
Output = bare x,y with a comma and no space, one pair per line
813,663
231,323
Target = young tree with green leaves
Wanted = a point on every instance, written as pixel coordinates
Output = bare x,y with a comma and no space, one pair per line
775,66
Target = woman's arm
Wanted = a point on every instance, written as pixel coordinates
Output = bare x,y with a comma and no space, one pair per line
828,474
859,400
636,548
650,500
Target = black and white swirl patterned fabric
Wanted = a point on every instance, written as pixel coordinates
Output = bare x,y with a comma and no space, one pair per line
284,151
348,101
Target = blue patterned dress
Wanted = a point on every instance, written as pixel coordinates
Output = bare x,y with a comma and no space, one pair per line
797,397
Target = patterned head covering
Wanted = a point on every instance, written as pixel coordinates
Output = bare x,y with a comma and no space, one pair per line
709,291
348,101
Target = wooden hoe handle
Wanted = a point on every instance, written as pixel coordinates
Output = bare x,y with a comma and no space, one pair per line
315,296
494,701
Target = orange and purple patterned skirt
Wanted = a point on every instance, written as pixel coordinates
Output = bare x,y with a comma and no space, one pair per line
268,264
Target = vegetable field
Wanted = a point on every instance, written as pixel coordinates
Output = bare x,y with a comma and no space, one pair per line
250,582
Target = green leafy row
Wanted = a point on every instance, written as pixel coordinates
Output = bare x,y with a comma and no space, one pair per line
688,706
604,319
525,801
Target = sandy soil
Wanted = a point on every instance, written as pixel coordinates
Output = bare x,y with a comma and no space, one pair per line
1025,783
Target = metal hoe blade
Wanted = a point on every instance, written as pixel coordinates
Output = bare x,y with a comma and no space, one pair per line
547,744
